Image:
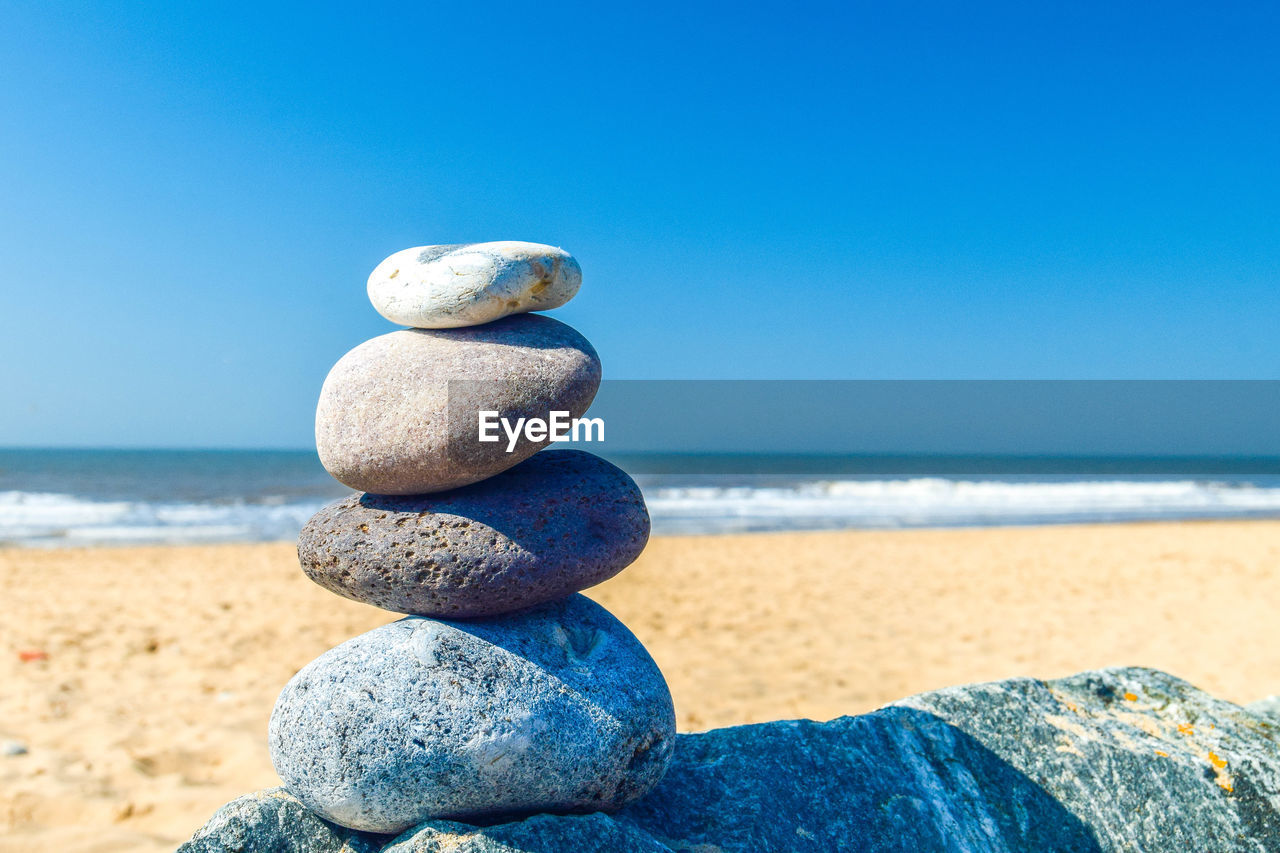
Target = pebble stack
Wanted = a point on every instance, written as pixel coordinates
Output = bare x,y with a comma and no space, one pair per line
503,692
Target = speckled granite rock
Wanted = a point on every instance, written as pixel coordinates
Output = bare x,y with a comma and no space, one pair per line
556,523
1120,759
398,414
273,821
555,708
444,287
1113,760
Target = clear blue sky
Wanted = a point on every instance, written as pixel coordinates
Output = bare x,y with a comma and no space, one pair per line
192,200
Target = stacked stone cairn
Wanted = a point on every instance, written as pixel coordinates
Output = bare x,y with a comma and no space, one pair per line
503,692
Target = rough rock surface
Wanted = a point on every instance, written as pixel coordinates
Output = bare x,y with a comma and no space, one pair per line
444,287
555,708
398,415
593,833
1113,760
556,523
273,821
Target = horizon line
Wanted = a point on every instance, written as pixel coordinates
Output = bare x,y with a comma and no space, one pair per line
809,454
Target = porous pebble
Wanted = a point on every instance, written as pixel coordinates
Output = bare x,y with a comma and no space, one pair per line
557,523
466,284
556,708
398,415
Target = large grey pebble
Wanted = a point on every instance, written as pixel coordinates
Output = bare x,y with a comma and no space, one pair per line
1268,707
398,414
556,523
466,284
555,708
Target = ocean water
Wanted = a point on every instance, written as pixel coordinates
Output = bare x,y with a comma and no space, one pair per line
51,498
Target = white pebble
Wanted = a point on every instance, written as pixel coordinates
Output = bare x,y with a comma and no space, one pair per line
468,284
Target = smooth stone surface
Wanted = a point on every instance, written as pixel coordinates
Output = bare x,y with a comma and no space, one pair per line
555,708
398,414
556,523
467,284
1113,760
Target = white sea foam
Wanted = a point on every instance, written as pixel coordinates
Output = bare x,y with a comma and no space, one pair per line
935,502
48,519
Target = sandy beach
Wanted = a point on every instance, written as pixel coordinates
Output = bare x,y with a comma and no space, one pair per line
140,680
